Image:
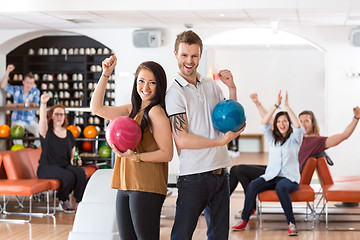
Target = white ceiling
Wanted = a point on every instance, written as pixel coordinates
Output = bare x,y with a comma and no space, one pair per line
165,14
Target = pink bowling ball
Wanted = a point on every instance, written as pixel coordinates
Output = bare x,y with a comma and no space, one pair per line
124,133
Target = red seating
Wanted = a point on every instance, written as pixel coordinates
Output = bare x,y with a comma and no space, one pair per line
345,191
337,191
20,182
23,187
20,169
17,165
304,194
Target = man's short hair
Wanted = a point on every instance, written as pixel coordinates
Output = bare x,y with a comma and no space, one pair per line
30,75
188,37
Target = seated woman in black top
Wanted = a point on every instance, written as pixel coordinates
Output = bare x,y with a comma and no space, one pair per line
58,149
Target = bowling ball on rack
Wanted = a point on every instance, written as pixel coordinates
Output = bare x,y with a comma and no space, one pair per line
17,131
4,131
16,147
105,151
87,146
75,130
90,131
124,132
228,115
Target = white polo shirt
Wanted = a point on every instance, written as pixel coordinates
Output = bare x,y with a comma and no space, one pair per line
197,103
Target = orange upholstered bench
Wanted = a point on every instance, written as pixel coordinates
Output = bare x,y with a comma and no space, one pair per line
343,191
23,164
304,194
23,187
20,187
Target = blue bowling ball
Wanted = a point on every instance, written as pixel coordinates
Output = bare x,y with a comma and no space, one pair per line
228,115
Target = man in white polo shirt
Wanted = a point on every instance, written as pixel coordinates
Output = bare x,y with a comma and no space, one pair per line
204,181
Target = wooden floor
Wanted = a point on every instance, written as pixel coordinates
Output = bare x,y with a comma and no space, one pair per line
58,227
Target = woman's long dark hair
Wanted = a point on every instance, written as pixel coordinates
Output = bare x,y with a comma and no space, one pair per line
159,97
278,137
50,114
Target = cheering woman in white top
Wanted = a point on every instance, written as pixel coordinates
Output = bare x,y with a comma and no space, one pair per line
282,172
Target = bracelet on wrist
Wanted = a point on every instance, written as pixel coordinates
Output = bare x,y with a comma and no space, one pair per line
356,118
106,76
258,104
276,106
137,159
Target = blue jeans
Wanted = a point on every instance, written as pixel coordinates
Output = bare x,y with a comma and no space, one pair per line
138,214
198,192
283,187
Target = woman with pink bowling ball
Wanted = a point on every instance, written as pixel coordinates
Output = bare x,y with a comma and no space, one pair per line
143,149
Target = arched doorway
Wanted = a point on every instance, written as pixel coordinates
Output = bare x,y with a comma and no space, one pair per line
264,62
